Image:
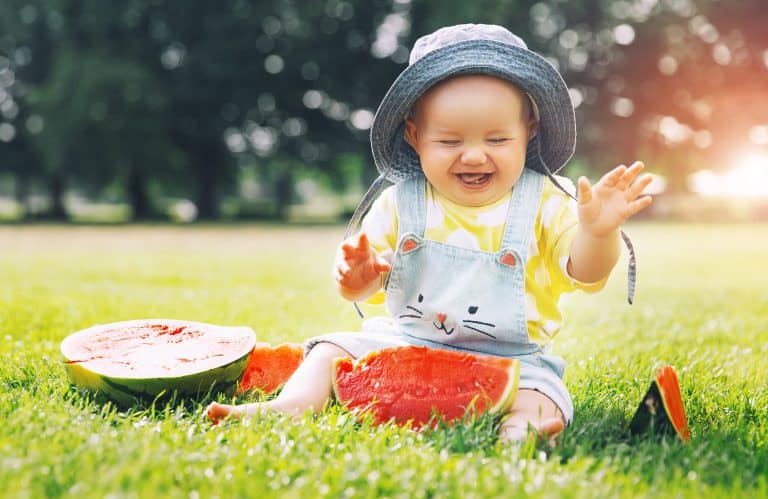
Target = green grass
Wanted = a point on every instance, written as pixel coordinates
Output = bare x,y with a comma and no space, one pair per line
701,305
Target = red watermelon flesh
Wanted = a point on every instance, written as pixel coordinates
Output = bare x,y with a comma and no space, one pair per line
411,384
269,367
142,359
666,377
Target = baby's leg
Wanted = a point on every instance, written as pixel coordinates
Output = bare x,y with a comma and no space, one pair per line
309,388
532,411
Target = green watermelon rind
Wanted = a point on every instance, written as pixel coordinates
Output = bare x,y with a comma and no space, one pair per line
508,397
126,391
502,405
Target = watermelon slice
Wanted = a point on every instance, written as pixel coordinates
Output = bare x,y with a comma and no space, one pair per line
142,359
269,367
662,407
410,384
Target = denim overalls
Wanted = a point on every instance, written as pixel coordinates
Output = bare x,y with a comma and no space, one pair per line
445,296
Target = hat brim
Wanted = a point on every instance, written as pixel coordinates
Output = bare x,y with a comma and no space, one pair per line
549,149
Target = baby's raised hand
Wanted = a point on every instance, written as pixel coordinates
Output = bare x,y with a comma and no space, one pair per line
357,264
612,200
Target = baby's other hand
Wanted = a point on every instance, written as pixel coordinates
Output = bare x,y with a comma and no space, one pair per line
357,264
612,200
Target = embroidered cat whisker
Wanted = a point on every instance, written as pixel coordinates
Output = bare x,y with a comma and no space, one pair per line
478,322
480,331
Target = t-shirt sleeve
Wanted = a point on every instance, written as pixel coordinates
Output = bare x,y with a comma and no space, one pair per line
559,219
380,225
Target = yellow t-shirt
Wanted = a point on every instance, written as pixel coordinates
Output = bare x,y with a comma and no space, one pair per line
482,228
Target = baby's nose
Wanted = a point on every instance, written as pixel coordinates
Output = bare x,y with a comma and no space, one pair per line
441,317
473,156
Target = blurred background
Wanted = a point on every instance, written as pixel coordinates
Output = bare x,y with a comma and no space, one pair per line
171,110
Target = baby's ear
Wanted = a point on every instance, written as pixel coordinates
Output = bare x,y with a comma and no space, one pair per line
533,128
410,132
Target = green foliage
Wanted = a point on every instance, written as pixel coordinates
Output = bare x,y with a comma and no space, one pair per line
700,306
165,104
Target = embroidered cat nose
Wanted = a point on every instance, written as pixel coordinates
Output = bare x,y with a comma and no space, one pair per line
508,259
408,245
441,317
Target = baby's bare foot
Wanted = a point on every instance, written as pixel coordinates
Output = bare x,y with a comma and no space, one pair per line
216,412
547,429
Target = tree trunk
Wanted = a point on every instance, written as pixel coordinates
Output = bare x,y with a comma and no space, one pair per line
56,189
205,171
21,192
284,191
137,194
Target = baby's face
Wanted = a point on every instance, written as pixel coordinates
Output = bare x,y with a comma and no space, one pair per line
471,133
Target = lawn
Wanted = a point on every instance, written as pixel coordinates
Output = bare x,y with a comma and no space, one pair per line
701,305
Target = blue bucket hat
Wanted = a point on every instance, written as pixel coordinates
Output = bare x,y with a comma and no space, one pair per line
474,49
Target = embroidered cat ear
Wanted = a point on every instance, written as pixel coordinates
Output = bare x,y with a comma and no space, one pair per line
408,245
508,259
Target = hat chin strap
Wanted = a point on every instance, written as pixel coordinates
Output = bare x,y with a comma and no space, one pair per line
370,196
632,267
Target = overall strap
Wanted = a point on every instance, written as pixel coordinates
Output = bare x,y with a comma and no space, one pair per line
523,207
370,196
411,206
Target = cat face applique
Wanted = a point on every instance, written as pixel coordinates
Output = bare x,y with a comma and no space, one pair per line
466,320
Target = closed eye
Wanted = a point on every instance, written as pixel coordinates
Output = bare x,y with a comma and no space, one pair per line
499,140
448,142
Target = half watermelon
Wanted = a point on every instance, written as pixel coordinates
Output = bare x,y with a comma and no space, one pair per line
143,359
411,384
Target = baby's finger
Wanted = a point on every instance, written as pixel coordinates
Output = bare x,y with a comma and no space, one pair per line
611,178
585,191
638,204
348,249
337,276
639,186
382,265
630,175
362,243
343,269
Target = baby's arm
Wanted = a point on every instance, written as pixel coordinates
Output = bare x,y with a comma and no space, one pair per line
358,268
603,208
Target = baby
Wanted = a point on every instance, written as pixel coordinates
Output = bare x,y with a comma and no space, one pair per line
476,241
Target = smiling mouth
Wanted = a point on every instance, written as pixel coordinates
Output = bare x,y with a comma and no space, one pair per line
441,326
474,180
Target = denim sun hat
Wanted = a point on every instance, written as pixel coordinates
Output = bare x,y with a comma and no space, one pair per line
475,49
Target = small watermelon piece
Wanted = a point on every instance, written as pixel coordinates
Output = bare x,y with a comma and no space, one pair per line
269,367
142,359
411,384
662,407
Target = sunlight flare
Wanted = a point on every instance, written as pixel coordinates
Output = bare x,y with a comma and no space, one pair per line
748,179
